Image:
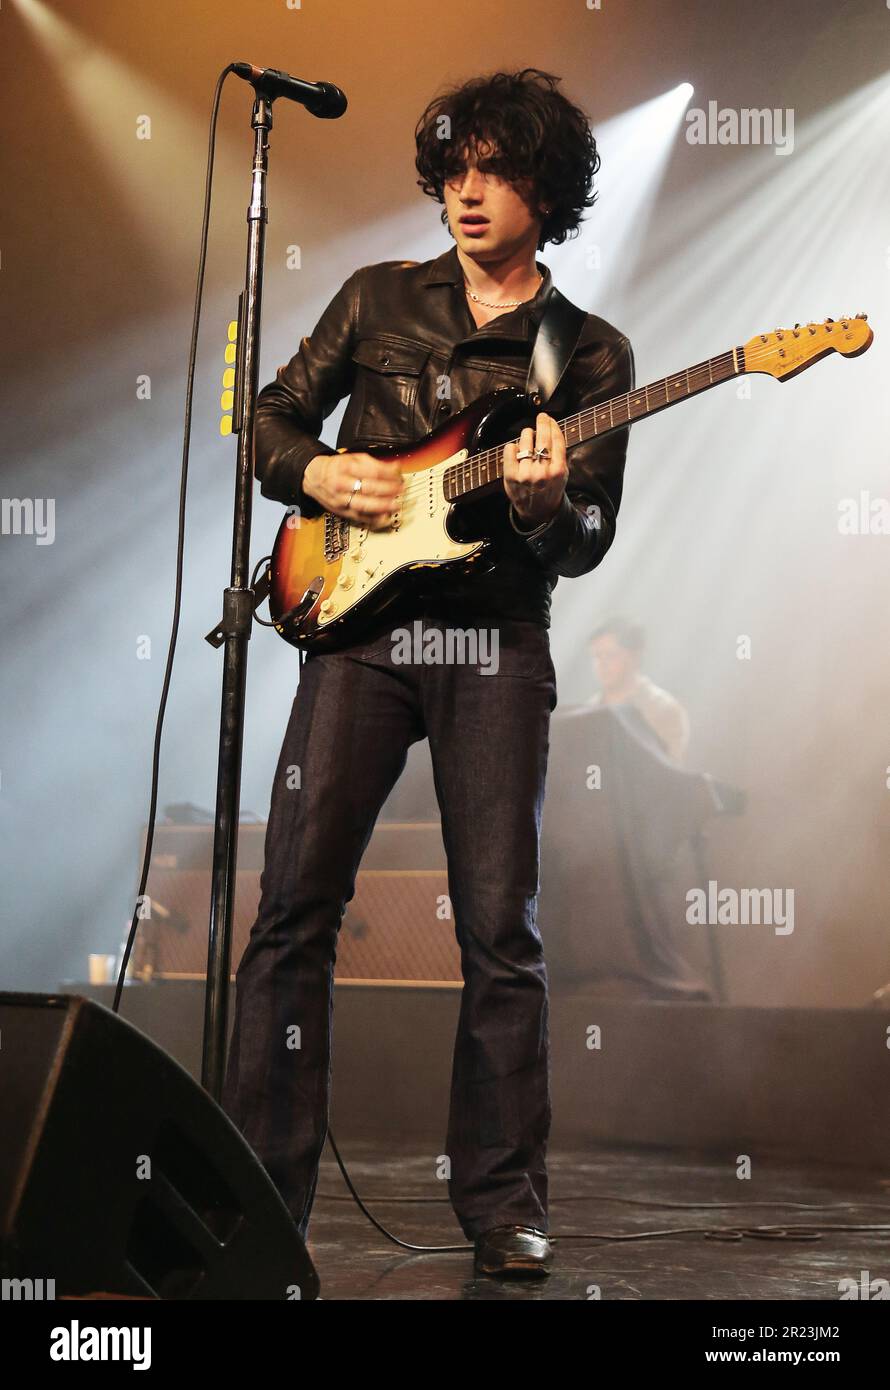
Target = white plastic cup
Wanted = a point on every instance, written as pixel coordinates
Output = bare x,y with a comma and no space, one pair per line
101,969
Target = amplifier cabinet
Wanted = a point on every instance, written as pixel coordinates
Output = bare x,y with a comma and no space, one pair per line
398,926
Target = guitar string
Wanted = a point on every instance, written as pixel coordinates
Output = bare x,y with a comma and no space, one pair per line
750,356
475,461
608,408
622,406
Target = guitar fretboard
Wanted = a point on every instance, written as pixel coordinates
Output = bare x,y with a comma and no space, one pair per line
482,469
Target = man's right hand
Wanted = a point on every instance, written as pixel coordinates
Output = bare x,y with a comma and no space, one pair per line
331,479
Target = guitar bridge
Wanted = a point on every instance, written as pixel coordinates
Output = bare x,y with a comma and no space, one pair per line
336,536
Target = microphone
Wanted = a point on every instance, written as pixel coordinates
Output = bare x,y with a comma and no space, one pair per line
321,99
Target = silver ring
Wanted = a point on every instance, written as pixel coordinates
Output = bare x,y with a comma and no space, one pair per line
526,455
356,486
542,453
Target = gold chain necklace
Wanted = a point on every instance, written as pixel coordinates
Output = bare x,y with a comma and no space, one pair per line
504,303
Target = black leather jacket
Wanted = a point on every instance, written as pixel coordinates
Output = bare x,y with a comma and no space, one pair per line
389,339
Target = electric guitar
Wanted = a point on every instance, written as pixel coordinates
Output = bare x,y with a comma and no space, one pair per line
328,576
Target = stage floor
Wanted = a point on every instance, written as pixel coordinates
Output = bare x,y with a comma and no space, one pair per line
355,1262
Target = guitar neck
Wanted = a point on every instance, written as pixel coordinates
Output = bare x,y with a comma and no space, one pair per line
485,468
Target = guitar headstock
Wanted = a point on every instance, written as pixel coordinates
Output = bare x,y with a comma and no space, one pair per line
787,351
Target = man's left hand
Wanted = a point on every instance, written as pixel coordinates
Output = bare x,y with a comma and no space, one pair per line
535,483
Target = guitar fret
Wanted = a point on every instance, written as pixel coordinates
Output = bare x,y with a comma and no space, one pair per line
486,466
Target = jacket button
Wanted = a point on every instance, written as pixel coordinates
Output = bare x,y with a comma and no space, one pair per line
385,359
445,408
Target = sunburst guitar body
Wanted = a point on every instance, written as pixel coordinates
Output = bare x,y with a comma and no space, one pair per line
330,577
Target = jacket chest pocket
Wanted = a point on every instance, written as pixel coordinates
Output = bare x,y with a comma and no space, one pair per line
387,379
501,373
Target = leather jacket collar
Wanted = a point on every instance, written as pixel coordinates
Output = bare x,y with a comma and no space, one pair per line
519,323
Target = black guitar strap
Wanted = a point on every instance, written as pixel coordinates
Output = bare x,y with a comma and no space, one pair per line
559,333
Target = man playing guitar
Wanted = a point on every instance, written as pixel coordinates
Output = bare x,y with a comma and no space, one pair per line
513,162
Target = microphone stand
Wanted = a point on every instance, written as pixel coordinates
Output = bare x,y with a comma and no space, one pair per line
233,632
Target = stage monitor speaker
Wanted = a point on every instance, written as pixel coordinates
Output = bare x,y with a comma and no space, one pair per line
119,1174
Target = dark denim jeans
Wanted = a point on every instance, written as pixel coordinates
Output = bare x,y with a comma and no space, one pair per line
355,714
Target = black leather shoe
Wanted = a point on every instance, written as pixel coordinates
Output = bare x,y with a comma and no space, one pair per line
514,1252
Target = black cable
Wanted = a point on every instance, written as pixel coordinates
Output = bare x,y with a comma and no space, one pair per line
726,1233
253,578
180,544
396,1240
635,1202
733,1233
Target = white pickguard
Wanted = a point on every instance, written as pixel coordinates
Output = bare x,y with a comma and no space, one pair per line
417,538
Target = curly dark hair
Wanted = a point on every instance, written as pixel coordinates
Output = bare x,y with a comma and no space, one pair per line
529,130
